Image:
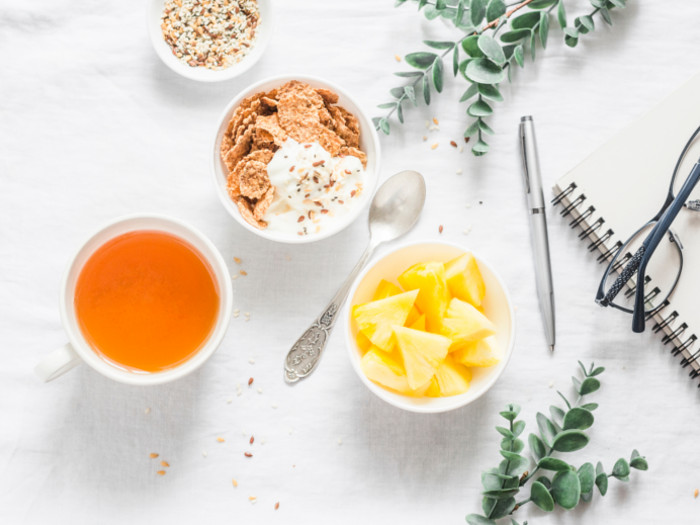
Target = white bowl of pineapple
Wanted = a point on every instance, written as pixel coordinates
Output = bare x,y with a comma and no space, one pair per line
430,327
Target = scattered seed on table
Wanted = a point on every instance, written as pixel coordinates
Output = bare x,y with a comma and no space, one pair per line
243,273
234,482
695,494
204,453
237,260
459,171
147,410
164,464
248,454
251,361
161,473
252,439
397,58
153,455
440,228
250,381
220,439
277,505
435,121
453,144
234,277
466,139
434,146
253,499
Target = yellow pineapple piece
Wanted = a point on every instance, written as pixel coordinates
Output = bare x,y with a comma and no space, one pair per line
452,378
479,353
381,368
385,289
363,342
433,388
433,298
464,279
422,353
465,324
418,324
376,318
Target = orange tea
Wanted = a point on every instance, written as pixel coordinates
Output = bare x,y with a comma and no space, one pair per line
146,301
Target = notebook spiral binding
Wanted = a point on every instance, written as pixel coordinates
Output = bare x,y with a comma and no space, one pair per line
593,230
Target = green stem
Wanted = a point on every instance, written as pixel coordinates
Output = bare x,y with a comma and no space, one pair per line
493,507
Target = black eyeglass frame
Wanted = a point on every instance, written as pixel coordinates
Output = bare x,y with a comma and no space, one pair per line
639,261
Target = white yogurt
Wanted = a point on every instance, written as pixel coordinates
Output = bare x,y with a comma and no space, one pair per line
311,187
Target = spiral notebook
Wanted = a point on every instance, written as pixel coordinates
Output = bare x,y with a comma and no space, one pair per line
622,185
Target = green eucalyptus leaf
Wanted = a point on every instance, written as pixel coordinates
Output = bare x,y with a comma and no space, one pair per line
519,55
384,126
533,45
571,41
599,469
545,481
605,15
399,112
487,504
471,46
502,508
589,385
554,464
459,15
476,519
495,9
544,27
439,44
590,406
541,4
431,12
480,108
491,481
483,126
484,71
480,148
587,22
437,74
421,59
536,447
578,418
455,60
561,14
500,493
566,489
492,49
490,91
546,428
566,401
517,445
586,496
583,368
477,11
397,3
472,129
586,477
541,497
426,89
598,3
469,93
386,105
396,92
421,4
510,37
462,68
579,26
621,469
440,4
556,413
639,463
570,441
410,94
618,3
518,428
597,371
601,481
375,121
408,74
526,21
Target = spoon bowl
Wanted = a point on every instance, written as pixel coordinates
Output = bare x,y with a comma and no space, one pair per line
395,209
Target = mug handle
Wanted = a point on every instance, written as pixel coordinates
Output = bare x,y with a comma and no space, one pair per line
57,363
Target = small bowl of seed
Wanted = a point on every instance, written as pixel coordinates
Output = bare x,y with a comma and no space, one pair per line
210,40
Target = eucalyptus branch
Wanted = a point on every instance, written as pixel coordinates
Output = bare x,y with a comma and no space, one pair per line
563,432
487,61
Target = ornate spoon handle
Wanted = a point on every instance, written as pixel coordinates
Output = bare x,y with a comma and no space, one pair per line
306,352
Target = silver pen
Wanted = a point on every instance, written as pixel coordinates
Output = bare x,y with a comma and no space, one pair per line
538,226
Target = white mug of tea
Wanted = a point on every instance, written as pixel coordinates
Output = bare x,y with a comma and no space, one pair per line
145,300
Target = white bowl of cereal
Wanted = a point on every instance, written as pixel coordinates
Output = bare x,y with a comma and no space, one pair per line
429,359
295,159
210,40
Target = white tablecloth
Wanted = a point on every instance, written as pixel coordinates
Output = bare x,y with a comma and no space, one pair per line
93,126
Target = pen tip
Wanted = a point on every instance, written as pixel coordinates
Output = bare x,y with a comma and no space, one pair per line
551,347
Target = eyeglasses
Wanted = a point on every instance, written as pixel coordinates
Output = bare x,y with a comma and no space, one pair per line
654,243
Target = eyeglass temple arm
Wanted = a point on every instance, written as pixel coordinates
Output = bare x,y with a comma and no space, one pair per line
653,240
627,272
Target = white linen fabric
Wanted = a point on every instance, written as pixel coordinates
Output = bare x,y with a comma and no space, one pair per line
94,126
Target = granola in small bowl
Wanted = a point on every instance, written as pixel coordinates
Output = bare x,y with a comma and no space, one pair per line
298,161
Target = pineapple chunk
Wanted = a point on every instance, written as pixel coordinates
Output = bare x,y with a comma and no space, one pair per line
465,324
376,318
385,289
418,324
363,342
433,298
479,353
433,388
464,279
381,368
452,378
422,353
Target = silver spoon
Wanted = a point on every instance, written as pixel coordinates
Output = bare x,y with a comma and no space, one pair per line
394,211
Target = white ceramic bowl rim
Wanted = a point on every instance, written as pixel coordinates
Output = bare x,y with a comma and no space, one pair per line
265,30
405,402
368,135
118,227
